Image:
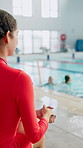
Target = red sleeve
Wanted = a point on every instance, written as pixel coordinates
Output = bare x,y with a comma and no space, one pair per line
24,96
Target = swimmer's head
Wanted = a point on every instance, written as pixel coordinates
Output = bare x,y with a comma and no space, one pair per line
50,80
67,79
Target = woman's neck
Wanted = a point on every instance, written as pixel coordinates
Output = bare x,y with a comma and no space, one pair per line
3,53
3,56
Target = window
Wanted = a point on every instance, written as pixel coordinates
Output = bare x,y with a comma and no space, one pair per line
22,7
27,36
49,8
25,41
38,41
46,39
20,39
54,41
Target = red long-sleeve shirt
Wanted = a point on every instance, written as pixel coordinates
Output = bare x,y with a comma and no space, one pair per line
17,101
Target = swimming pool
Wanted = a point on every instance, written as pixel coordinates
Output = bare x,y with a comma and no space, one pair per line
57,69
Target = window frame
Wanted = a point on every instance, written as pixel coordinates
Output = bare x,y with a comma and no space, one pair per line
22,13
49,15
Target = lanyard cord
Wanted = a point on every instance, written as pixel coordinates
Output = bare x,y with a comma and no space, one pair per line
3,60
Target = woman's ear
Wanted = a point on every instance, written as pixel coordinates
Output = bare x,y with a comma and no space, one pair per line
6,38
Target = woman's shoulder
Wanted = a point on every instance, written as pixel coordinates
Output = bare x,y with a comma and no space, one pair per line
17,73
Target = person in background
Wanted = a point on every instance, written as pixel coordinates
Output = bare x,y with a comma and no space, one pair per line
50,82
67,79
19,127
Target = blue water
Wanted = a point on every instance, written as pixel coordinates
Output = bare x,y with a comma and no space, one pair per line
57,70
79,60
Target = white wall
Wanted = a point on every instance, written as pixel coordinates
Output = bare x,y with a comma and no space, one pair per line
70,19
6,5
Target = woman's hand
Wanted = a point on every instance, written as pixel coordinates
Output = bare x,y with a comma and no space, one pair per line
52,118
40,112
44,111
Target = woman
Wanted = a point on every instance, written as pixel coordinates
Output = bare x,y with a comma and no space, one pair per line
17,96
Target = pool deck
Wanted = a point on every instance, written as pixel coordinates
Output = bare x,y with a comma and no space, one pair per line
67,131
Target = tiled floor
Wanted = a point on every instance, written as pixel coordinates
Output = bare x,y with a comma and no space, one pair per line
67,131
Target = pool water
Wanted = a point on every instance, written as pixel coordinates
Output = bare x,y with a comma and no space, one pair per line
57,69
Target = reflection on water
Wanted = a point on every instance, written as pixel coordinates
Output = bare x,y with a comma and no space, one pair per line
77,121
65,88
